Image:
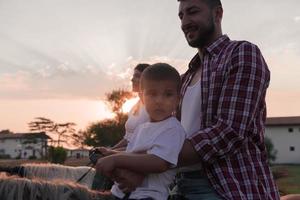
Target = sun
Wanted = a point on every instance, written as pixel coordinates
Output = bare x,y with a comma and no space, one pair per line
129,104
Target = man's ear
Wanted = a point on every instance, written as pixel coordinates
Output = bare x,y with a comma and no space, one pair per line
218,14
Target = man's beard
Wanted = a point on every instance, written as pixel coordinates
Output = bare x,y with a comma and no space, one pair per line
204,35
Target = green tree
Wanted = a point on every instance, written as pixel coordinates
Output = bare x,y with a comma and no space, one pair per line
271,151
57,154
105,133
109,131
115,100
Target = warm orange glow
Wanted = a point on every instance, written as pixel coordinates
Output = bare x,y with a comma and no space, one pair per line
129,104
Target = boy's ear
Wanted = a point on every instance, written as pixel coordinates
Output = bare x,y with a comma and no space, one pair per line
178,99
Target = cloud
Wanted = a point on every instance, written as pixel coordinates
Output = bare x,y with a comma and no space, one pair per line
59,82
10,82
68,80
297,19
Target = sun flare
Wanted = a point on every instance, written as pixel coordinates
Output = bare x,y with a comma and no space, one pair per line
129,104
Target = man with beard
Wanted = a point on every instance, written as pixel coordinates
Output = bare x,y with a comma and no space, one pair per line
223,112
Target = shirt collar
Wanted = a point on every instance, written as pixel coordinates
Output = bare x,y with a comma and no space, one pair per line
216,47
213,49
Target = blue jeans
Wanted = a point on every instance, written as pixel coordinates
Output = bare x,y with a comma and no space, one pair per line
196,187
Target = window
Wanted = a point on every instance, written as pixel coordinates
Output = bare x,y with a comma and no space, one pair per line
292,148
2,151
291,130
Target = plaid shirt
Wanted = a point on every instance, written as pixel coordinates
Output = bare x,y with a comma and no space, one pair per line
230,141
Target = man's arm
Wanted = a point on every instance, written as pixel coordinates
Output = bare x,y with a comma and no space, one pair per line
243,92
188,155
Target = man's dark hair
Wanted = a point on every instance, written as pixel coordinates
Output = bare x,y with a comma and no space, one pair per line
161,72
141,67
211,3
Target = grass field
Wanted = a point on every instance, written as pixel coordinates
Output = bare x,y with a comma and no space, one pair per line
289,182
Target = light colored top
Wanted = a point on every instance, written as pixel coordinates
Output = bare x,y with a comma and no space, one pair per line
163,139
135,119
190,116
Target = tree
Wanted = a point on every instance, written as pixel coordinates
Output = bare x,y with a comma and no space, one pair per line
105,133
271,151
6,131
41,124
109,131
80,138
62,130
116,100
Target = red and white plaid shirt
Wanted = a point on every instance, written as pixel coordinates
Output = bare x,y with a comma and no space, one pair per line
230,141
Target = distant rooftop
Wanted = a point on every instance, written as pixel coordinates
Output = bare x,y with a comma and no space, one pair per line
24,135
283,121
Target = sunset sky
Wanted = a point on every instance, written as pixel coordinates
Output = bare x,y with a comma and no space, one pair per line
58,58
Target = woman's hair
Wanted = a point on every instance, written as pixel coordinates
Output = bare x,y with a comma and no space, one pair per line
141,67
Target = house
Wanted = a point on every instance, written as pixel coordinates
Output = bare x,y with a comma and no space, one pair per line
78,153
284,133
23,145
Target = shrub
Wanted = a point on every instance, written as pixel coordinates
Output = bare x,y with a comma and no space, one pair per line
4,156
57,155
32,157
270,150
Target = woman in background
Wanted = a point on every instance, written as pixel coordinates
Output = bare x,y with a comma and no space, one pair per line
136,116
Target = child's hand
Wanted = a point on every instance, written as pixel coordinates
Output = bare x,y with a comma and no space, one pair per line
106,166
105,151
128,180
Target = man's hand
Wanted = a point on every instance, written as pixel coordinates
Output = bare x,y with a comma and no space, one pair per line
128,180
106,166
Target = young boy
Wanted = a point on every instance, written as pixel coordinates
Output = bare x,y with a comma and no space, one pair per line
155,145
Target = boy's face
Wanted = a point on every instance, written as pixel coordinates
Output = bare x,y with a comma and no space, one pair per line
160,98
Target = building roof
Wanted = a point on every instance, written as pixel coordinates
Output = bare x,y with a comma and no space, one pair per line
283,121
42,135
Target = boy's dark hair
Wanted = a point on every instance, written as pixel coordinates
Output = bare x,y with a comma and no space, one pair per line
211,3
141,67
161,72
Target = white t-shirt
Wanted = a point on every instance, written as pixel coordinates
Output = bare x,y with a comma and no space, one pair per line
163,139
134,120
190,116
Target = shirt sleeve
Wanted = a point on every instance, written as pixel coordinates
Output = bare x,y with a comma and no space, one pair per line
168,144
241,99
